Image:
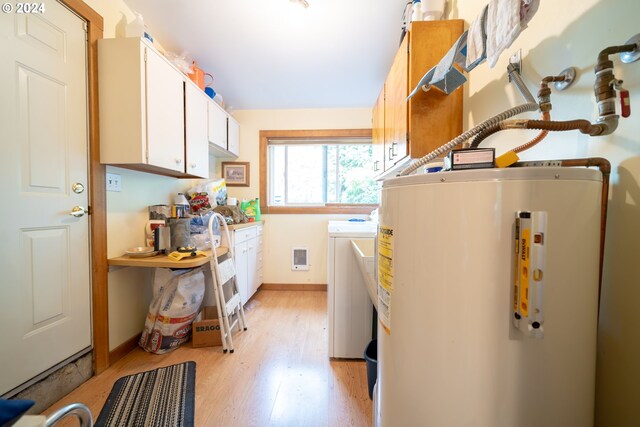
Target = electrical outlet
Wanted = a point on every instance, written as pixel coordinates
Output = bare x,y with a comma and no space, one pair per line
114,182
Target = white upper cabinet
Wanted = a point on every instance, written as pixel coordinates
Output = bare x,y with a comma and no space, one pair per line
165,113
196,145
142,112
233,137
217,125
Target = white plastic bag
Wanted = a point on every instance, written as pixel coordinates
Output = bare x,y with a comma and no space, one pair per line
207,195
177,296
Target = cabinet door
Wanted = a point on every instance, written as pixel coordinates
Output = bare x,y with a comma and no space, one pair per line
196,148
217,125
234,136
242,278
165,113
252,266
434,118
377,134
259,245
395,107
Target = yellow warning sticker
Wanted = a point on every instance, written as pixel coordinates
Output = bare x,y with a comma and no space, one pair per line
385,276
385,257
525,260
516,268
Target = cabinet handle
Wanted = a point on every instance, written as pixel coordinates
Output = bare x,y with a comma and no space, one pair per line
375,165
193,165
178,161
394,150
390,153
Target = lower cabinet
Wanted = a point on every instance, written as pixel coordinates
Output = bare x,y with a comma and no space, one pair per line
247,247
257,280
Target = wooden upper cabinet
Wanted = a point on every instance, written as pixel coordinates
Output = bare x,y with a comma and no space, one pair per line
429,119
377,134
395,104
434,117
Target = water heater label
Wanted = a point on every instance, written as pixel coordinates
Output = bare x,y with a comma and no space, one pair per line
529,272
385,276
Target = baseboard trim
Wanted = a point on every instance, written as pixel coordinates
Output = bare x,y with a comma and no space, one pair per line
293,287
123,349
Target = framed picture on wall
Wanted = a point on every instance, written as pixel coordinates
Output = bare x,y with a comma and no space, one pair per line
236,174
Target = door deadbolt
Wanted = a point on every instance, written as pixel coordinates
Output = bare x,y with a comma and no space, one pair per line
77,187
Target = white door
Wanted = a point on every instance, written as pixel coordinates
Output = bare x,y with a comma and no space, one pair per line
165,113
197,147
45,297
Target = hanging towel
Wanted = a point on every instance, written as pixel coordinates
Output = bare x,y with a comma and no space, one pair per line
450,82
503,27
528,8
445,76
476,41
456,54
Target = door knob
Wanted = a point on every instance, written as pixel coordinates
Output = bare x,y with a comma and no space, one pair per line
78,211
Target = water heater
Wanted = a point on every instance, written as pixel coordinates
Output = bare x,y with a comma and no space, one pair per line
487,298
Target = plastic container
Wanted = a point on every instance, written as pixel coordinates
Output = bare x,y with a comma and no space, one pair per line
433,10
371,357
181,206
136,28
416,11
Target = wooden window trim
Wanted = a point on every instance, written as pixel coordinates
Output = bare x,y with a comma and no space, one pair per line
266,135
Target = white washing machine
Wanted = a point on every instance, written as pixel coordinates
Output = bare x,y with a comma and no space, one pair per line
350,310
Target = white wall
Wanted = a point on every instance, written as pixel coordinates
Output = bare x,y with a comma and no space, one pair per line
571,33
282,232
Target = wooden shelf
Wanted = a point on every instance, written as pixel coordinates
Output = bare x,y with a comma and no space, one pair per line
163,261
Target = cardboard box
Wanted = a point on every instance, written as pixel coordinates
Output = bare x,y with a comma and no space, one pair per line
206,332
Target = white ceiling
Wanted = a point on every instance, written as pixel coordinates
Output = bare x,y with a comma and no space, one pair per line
267,54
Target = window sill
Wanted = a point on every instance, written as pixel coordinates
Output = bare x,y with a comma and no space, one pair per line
321,210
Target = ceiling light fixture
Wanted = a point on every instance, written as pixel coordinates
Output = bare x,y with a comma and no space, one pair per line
304,3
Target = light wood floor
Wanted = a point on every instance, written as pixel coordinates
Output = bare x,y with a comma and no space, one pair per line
279,375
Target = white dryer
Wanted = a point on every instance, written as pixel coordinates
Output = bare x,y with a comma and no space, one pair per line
350,311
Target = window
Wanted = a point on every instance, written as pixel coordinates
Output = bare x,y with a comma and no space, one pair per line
328,171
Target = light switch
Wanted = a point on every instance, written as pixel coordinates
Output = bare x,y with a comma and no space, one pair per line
114,182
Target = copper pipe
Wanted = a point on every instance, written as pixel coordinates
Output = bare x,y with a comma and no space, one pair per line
605,169
546,116
544,100
584,126
603,87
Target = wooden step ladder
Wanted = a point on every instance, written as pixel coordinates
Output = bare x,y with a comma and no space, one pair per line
224,276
